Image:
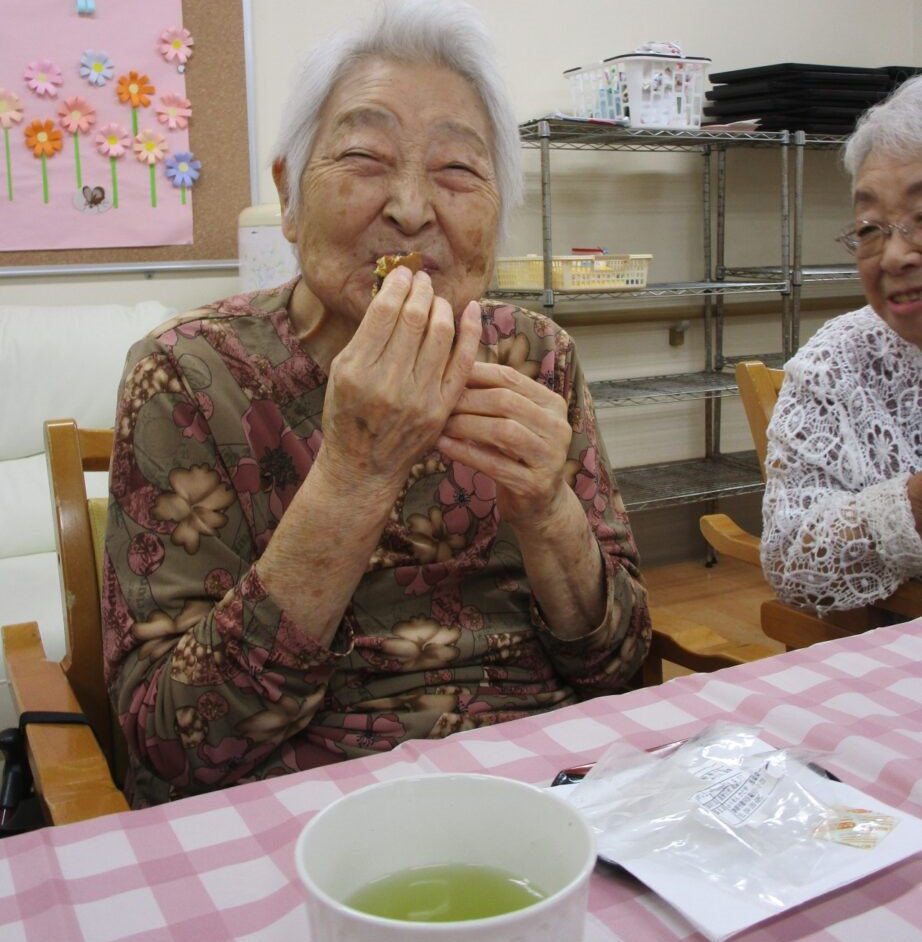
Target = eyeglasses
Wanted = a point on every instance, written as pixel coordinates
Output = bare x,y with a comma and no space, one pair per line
867,239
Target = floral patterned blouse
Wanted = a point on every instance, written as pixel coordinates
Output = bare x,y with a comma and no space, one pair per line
218,423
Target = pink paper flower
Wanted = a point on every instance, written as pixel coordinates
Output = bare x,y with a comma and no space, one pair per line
176,45
10,108
43,77
150,147
112,140
77,115
174,111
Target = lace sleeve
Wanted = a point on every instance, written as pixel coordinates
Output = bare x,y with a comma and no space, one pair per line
838,530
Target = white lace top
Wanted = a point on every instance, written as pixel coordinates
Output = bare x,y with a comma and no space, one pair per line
845,436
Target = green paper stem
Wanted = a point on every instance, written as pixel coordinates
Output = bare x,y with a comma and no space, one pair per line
134,121
44,179
114,184
153,186
182,191
77,162
9,169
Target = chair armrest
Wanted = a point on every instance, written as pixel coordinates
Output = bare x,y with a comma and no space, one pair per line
729,538
71,775
906,601
693,646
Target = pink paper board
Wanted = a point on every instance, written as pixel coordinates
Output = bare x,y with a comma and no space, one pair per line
129,31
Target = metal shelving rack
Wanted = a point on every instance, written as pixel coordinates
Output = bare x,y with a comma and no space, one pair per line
716,474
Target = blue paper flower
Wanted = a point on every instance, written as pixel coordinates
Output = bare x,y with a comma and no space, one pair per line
182,169
96,67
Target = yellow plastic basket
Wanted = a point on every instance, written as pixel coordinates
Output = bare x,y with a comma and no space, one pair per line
573,272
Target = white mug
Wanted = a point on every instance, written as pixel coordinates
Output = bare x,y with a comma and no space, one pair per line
447,818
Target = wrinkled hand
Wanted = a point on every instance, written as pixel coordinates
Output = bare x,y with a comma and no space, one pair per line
514,430
394,384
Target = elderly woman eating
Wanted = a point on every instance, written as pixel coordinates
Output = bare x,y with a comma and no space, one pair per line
339,520
843,500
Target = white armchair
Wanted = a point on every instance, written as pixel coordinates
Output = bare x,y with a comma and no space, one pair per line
55,362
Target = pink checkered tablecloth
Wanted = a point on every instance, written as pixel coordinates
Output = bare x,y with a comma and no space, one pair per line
221,866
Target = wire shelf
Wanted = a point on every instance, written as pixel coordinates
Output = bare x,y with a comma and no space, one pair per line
649,487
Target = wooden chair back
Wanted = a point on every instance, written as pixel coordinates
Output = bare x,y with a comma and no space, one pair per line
70,452
759,386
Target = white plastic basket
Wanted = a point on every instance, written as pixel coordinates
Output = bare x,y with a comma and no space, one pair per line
647,90
573,272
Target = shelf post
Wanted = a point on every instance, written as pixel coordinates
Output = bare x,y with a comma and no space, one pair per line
797,272
544,135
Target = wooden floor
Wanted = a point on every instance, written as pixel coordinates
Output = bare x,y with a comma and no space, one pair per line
725,597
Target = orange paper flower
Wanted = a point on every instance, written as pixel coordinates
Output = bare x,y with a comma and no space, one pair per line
77,115
150,147
134,89
43,138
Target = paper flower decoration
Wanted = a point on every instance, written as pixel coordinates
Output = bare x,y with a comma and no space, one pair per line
96,67
174,111
150,148
44,140
176,45
76,116
135,90
10,113
10,108
43,77
182,171
113,141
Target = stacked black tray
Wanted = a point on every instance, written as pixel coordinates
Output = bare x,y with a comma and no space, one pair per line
820,99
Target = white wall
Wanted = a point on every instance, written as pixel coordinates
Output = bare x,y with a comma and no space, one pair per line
627,202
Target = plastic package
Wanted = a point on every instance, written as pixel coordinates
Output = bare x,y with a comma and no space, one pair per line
742,815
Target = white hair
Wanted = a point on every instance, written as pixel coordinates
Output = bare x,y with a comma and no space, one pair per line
442,32
893,128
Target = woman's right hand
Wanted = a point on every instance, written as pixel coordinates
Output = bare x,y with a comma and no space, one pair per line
393,386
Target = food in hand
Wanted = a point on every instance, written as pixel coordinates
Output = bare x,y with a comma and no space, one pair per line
387,263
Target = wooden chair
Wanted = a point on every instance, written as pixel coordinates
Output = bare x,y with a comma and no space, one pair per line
75,776
759,386
74,768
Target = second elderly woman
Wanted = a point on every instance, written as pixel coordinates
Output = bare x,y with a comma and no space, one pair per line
843,499
339,522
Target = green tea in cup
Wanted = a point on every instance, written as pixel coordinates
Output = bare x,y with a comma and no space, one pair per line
448,857
445,893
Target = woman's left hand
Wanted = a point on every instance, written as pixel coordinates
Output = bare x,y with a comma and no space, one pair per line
515,430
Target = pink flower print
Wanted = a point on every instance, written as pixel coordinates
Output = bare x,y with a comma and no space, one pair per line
497,322
584,477
466,490
280,459
145,553
174,111
176,45
193,418
43,77
112,140
77,115
379,733
546,370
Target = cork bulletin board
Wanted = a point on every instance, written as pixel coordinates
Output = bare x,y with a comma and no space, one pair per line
218,135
